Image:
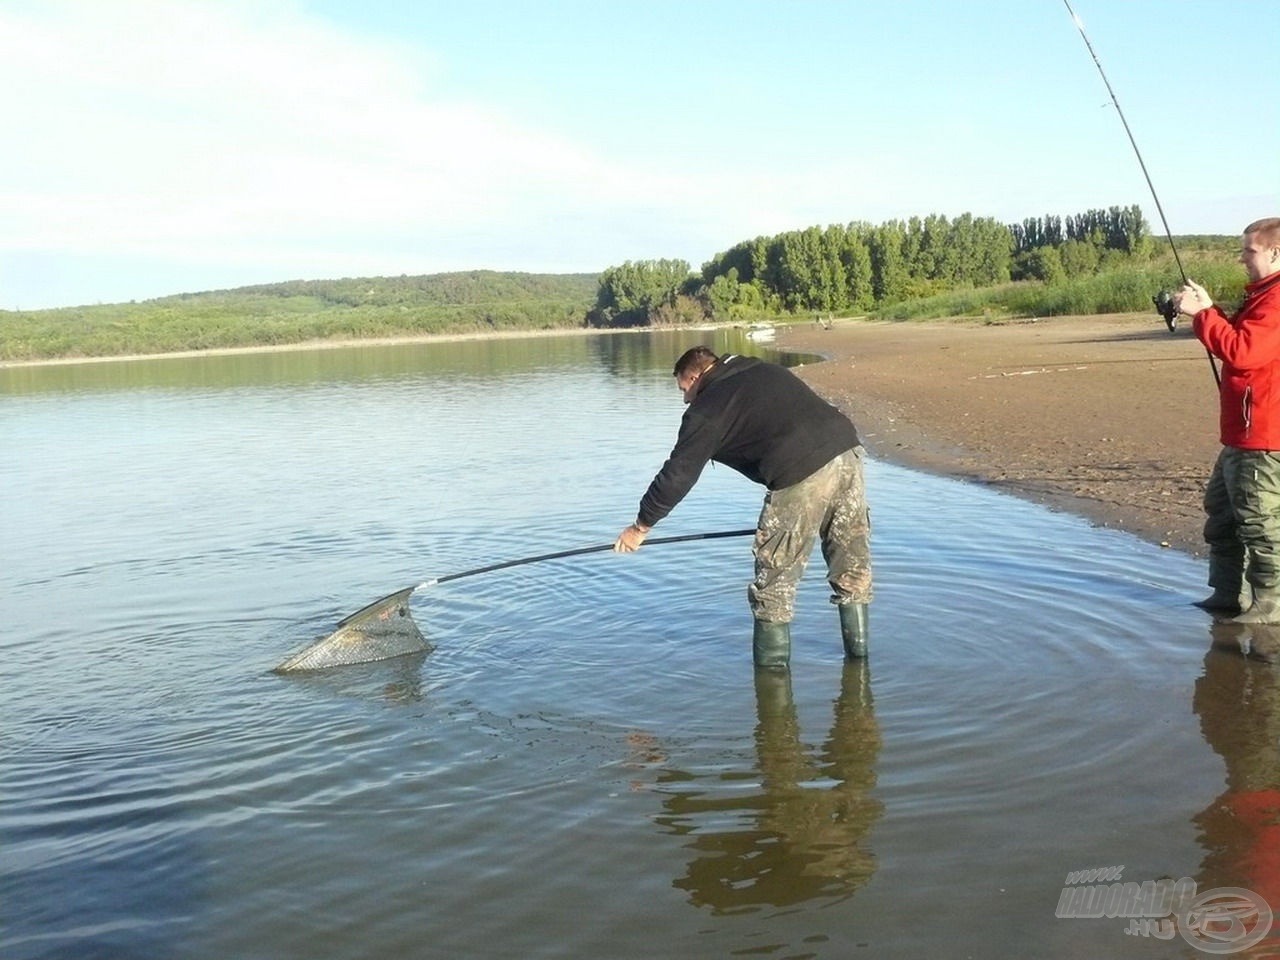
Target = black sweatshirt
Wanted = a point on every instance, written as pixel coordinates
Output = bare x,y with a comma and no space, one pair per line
756,417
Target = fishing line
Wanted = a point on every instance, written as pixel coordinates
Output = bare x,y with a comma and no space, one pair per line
1134,143
1162,300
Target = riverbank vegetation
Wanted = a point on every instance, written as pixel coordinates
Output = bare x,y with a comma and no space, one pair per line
1100,261
481,301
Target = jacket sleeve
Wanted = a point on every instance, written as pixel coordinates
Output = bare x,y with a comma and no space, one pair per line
1252,341
696,443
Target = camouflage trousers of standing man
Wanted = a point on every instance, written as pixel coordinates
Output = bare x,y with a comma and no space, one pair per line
1242,523
829,505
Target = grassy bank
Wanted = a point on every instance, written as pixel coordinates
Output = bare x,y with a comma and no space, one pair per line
1124,289
300,311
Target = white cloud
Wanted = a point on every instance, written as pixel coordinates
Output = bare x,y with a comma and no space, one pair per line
218,130
229,133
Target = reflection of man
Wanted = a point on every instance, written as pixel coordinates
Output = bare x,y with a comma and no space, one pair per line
1238,702
1242,500
760,419
797,839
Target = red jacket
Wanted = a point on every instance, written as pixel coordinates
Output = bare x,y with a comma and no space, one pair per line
1248,345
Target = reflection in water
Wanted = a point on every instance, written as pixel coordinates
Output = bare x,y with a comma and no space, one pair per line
801,835
1238,702
484,359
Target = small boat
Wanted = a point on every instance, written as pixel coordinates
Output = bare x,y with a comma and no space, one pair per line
761,331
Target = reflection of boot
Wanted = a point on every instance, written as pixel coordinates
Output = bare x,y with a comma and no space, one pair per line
771,644
1265,608
1230,636
774,703
855,689
1263,642
853,629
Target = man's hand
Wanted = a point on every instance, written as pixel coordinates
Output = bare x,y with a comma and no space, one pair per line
629,540
1192,298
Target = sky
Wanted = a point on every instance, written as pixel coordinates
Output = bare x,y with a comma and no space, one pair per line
155,147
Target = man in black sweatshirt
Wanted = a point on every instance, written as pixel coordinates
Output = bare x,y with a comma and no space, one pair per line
763,421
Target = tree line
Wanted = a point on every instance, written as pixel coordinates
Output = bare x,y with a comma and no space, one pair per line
859,267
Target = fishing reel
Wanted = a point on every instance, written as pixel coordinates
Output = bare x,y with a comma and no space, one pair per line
1167,309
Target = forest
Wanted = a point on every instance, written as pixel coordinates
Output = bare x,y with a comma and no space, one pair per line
1098,261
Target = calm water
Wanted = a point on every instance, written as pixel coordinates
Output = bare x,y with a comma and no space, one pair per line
584,766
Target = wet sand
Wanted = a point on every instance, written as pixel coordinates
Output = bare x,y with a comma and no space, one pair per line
1111,418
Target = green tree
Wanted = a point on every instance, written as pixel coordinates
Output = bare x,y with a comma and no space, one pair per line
855,258
722,293
629,294
1079,259
937,251
1045,264
889,274
991,252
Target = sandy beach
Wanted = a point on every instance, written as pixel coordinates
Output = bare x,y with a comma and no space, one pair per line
1112,418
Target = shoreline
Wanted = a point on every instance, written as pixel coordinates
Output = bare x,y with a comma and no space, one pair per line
1110,418
326,344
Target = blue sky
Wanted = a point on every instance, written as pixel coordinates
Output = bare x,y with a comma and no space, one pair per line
164,146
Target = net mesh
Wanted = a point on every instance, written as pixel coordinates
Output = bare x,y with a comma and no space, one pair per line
382,630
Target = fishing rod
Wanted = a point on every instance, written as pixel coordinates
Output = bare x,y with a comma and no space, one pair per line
1164,299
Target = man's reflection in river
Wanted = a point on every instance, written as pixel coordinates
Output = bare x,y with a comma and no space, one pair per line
1238,703
794,829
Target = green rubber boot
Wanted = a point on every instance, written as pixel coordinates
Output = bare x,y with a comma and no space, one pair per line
1232,594
1265,608
771,644
853,629
1221,601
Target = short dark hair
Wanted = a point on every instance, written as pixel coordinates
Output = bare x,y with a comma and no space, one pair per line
694,360
1265,232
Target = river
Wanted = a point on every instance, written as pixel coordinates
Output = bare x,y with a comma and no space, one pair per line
586,764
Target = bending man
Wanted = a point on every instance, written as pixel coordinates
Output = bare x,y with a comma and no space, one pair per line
1242,500
763,421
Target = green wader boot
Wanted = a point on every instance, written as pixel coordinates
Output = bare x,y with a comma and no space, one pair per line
1231,592
771,644
1265,608
1220,601
853,629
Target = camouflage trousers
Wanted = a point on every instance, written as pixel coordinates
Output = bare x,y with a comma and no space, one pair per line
1242,520
830,504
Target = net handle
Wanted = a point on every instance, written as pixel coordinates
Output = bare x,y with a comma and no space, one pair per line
402,595
578,551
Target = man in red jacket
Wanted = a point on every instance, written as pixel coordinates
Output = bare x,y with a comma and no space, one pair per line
1242,500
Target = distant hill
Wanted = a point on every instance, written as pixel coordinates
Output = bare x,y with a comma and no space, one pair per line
435,289
299,311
